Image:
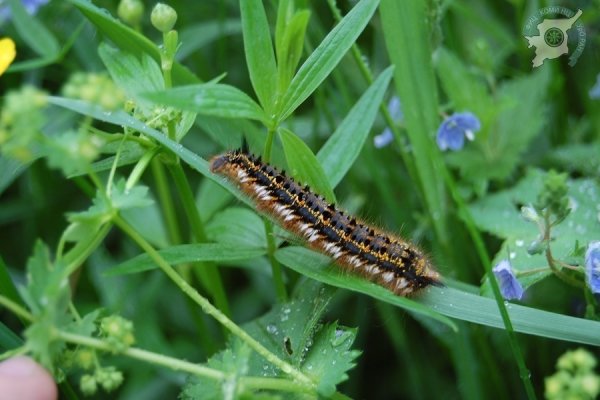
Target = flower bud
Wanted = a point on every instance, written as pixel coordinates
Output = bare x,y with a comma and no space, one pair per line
163,17
130,11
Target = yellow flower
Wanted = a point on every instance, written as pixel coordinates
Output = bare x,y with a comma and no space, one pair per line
7,53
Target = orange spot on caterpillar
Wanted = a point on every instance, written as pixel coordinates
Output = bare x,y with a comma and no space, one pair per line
355,246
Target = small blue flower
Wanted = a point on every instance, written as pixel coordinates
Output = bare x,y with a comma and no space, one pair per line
509,285
595,90
451,133
592,266
386,137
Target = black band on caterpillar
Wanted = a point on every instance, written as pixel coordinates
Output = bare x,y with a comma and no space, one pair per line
355,246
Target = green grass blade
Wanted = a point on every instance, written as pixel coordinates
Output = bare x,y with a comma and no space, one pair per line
316,266
447,301
407,40
343,147
188,253
258,47
325,57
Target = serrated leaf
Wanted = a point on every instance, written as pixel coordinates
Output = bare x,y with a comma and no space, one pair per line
325,57
304,165
520,116
123,198
187,253
85,326
214,99
343,147
331,357
500,215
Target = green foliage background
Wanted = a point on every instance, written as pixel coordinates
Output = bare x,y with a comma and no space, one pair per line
119,202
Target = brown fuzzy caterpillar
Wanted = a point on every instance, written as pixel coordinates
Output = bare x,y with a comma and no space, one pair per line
382,258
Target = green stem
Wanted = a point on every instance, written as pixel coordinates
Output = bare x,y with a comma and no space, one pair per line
19,351
271,245
140,167
275,266
166,201
139,354
82,250
260,383
15,308
207,306
208,272
487,263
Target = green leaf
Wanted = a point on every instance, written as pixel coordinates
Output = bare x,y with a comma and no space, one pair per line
325,57
215,99
11,170
408,42
331,356
343,147
500,215
34,33
188,253
289,41
304,165
130,73
85,326
520,116
259,51
127,39
450,302
124,198
121,118
237,225
318,266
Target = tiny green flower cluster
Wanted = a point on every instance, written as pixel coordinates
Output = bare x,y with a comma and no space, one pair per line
97,88
109,378
575,377
21,121
118,332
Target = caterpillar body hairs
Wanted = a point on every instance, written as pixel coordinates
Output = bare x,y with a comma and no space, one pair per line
355,246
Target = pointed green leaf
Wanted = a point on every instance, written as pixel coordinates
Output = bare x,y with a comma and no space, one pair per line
259,51
215,99
326,56
343,147
304,165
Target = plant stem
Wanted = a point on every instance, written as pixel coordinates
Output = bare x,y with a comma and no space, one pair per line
207,306
487,264
158,359
271,245
166,202
207,271
16,308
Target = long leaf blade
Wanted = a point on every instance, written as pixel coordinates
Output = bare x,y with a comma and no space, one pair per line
326,56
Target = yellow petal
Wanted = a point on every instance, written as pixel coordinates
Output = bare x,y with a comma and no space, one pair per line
7,53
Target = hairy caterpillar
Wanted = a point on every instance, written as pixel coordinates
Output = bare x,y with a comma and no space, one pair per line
355,246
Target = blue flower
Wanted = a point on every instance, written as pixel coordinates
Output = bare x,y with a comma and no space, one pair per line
509,285
595,90
386,137
451,133
592,266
